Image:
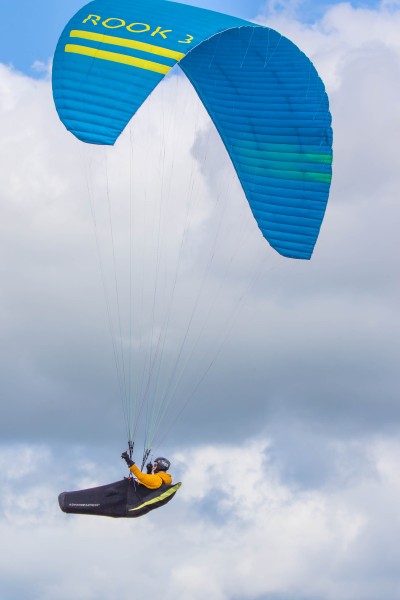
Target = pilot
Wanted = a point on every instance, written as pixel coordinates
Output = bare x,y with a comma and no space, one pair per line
156,473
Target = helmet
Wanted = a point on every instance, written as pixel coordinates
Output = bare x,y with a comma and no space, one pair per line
163,464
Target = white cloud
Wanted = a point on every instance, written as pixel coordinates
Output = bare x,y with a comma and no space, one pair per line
311,357
335,315
235,530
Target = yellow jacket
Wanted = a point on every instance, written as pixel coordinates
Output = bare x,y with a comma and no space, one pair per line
152,481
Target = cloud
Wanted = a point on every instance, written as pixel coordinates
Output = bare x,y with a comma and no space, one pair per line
272,343
235,530
287,449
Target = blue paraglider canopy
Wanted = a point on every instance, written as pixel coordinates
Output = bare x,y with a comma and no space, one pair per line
263,94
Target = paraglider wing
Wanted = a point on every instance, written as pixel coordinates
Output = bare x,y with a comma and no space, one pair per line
263,94
112,54
271,110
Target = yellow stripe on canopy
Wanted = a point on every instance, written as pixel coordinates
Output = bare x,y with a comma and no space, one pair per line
119,58
118,41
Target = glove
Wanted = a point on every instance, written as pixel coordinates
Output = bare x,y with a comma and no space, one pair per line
149,468
127,459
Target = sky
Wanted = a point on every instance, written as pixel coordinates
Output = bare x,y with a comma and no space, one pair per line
289,448
21,46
